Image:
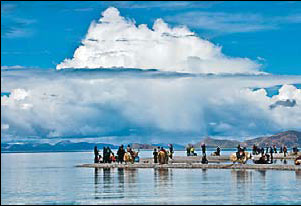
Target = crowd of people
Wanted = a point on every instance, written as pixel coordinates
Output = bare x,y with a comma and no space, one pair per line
270,150
109,156
162,155
129,155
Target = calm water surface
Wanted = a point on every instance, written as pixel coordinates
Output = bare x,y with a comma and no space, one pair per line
51,178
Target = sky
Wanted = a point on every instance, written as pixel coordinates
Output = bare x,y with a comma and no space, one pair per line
42,34
149,72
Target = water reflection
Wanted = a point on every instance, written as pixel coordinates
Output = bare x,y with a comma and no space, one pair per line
242,183
262,174
130,175
96,183
284,161
104,184
241,176
204,174
163,177
298,175
120,173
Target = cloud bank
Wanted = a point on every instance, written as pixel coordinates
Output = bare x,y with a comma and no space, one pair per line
97,103
116,42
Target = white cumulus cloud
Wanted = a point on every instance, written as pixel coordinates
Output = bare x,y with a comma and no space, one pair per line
76,103
114,41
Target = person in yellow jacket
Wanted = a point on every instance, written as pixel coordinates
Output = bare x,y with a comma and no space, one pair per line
192,151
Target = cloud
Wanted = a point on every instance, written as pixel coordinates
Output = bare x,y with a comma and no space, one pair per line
84,9
165,5
221,21
12,67
144,105
114,41
14,32
13,26
228,23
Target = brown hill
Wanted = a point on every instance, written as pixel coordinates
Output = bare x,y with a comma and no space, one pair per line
288,138
223,143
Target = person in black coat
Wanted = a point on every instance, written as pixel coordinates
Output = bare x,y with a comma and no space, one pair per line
155,154
204,149
120,154
96,155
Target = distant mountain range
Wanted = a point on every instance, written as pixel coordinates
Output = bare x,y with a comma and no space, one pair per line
58,147
288,138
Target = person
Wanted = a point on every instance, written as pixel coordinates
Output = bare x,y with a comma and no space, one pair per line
267,150
262,160
218,151
120,154
188,150
284,150
112,157
100,159
104,154
295,150
275,149
238,148
109,154
204,149
166,156
192,151
281,149
129,149
262,151
171,150
271,153
254,150
137,158
155,154
96,155
259,150
244,149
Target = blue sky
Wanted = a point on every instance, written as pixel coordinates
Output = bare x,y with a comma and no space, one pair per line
183,86
42,34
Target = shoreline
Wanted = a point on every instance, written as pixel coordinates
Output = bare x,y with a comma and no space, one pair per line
191,166
182,162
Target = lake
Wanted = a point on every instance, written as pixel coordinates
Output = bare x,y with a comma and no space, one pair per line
52,178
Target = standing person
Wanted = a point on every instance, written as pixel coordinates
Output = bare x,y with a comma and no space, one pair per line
238,148
129,149
204,149
254,149
267,150
188,150
155,154
120,154
275,149
218,151
284,150
96,155
104,154
171,150
281,149
262,151
192,151
109,152
271,153
112,157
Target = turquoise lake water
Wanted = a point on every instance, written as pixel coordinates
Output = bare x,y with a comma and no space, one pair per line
51,178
